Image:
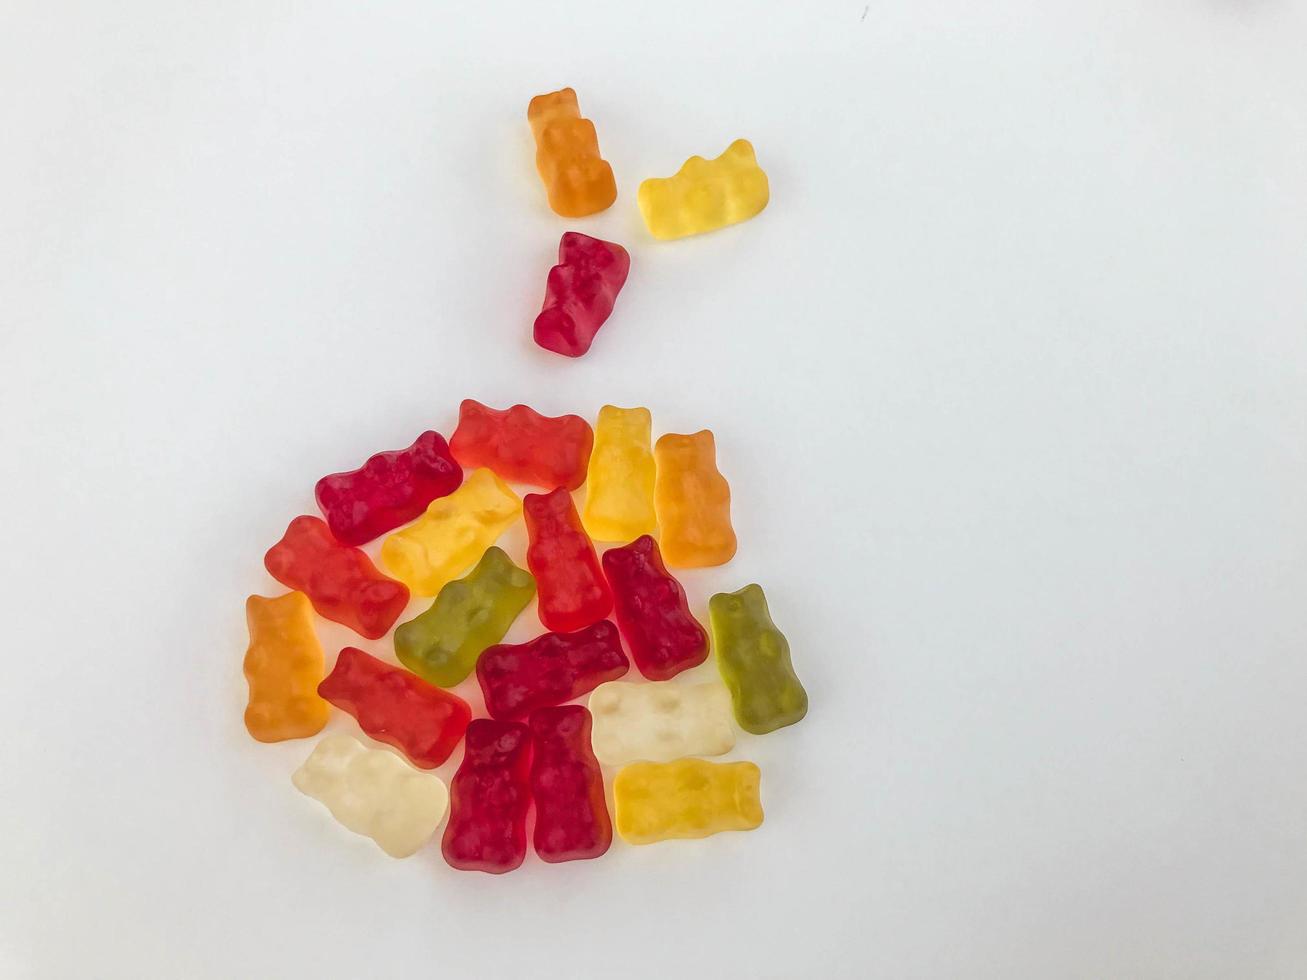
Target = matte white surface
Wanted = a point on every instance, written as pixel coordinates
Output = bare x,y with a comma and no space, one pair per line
1010,381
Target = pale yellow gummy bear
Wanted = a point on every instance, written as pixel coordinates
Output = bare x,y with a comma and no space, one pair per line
619,486
705,195
660,722
453,533
374,793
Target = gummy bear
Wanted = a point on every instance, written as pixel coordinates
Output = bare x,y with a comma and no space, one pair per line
388,490
489,797
523,446
619,486
374,793
553,668
572,822
704,195
394,707
283,666
652,612
577,180
753,657
442,645
660,722
341,582
687,798
573,592
580,293
452,534
693,502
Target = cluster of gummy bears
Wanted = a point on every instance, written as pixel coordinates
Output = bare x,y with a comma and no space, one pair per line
535,746
582,288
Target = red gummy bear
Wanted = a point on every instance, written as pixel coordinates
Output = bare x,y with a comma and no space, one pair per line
572,590
396,707
388,490
488,799
580,293
517,678
664,639
572,821
341,582
523,446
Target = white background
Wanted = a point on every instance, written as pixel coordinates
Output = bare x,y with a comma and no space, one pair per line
1010,381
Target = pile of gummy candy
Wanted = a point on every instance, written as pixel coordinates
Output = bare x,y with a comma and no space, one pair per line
536,749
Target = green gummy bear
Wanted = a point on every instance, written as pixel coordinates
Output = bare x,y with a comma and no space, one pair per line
753,657
471,613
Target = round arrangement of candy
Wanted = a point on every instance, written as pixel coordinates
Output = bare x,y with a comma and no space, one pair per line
566,704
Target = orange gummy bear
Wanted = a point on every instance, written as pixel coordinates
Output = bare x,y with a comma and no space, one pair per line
577,179
283,666
692,501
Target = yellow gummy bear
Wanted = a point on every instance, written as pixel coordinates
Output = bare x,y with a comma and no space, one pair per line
619,494
686,798
705,195
453,533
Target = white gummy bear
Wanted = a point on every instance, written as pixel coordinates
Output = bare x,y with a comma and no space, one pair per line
660,722
374,793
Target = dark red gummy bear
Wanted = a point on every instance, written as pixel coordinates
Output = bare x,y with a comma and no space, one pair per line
517,678
570,585
341,582
388,490
396,707
488,799
652,613
523,446
572,821
580,293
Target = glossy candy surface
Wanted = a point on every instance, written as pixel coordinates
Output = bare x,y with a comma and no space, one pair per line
660,722
523,446
283,665
453,533
580,293
442,645
572,822
619,485
577,179
686,798
652,611
388,490
573,592
693,502
374,793
553,668
489,797
341,581
397,708
753,657
705,195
